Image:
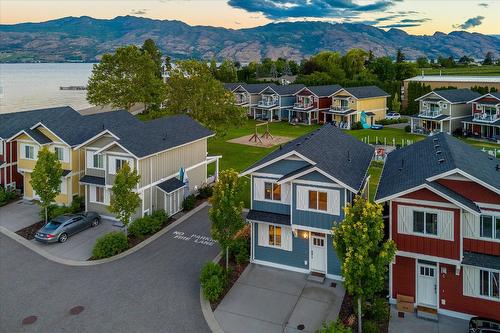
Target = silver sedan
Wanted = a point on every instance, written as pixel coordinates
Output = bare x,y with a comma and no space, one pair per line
60,228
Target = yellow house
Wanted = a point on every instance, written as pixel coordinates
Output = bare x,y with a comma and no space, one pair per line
365,104
30,141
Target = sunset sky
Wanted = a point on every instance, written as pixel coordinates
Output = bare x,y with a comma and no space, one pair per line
413,16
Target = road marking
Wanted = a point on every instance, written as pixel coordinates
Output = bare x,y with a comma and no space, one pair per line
195,238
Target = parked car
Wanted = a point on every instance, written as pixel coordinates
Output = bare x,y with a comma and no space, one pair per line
392,115
484,325
377,127
60,228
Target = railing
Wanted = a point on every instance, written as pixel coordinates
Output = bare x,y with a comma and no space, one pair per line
267,103
339,108
485,117
241,101
430,113
302,105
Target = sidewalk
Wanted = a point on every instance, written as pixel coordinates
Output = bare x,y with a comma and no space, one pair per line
411,324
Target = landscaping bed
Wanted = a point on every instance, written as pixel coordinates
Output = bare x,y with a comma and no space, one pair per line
30,231
377,315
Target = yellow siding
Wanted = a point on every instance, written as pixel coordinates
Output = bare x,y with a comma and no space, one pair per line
28,190
22,163
49,135
376,105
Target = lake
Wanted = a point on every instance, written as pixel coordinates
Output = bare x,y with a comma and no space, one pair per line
35,86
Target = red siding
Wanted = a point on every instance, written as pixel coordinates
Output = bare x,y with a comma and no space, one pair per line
427,245
482,246
483,100
403,277
325,102
8,173
424,194
305,92
451,291
472,191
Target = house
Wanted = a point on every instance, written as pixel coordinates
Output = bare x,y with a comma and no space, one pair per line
241,95
436,82
350,105
250,92
310,103
444,202
275,102
442,111
160,150
485,119
298,193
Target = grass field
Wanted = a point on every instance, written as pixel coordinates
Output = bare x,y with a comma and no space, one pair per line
492,70
239,157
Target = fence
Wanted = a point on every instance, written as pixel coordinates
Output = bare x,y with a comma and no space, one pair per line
491,151
379,140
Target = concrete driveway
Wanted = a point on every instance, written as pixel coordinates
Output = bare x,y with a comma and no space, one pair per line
411,324
155,289
271,300
80,245
18,215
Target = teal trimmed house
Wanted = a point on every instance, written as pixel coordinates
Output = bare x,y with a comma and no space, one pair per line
298,193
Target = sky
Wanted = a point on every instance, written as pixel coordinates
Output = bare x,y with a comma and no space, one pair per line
414,16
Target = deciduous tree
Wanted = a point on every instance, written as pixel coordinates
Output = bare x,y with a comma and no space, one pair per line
124,200
154,52
396,104
46,178
364,255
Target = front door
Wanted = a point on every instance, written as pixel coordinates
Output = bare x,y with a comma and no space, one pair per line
318,253
427,285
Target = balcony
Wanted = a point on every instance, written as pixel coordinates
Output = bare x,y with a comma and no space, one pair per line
241,101
485,117
341,108
430,113
302,106
267,103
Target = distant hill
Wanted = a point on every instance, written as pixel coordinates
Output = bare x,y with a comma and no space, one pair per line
86,39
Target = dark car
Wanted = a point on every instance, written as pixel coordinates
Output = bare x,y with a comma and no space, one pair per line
60,228
484,325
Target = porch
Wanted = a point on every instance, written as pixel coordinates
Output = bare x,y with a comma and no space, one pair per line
429,126
342,119
267,114
304,117
481,130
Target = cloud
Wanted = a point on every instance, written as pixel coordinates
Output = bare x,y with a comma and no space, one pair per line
419,20
283,9
470,23
138,11
484,5
400,25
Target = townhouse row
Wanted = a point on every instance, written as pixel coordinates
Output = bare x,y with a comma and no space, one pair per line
443,198
93,148
299,104
459,111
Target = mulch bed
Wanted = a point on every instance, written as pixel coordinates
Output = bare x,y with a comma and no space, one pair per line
236,271
30,231
349,318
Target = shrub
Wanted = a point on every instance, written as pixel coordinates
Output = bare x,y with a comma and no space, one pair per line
78,204
407,128
391,121
109,245
213,280
145,226
160,215
356,126
334,327
379,310
189,202
205,192
209,270
6,195
370,326
240,250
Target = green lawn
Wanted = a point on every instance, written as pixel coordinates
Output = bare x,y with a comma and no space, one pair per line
482,70
239,157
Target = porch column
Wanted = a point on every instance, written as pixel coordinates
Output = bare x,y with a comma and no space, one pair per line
309,117
441,126
216,168
411,124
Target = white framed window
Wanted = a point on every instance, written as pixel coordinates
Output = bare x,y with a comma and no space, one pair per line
318,200
61,154
28,151
116,163
272,191
425,223
267,190
99,194
275,236
490,227
489,284
98,161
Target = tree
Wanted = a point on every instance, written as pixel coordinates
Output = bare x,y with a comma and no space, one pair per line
384,68
396,104
192,89
422,62
353,62
488,59
226,72
124,200
465,60
400,57
227,208
154,52
46,178
405,70
127,77
364,255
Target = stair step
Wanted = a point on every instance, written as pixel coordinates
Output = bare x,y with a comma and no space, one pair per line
316,277
427,313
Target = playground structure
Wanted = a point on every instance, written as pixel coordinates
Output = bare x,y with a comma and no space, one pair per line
267,134
363,121
265,140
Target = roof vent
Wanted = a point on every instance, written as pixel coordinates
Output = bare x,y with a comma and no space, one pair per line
436,146
165,136
297,144
497,168
435,140
281,147
438,152
349,156
103,127
441,160
402,164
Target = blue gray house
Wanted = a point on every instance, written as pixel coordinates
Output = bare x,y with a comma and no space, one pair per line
275,102
298,193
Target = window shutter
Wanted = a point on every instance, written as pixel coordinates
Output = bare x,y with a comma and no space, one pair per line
405,220
258,189
64,186
287,238
333,198
92,193
90,159
35,152
107,195
445,225
285,193
112,165
302,198
263,234
471,225
470,281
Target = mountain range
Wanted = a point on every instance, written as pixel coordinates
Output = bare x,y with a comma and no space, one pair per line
86,39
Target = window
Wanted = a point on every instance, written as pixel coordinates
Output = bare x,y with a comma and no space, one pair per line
490,227
425,223
274,235
119,164
318,200
99,194
29,152
489,284
59,151
272,191
98,161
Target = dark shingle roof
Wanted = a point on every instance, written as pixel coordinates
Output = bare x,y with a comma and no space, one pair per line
255,88
366,92
92,180
336,153
38,136
411,166
273,218
458,95
496,94
455,196
324,91
296,172
481,260
287,89
171,185
66,172
232,85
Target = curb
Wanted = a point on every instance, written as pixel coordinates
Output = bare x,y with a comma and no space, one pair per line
69,262
212,323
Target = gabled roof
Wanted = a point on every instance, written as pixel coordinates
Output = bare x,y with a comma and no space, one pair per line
36,135
323,91
366,92
331,151
289,89
454,196
268,217
232,85
488,95
454,96
438,155
255,88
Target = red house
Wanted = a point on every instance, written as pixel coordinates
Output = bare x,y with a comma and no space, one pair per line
9,177
311,103
485,119
444,202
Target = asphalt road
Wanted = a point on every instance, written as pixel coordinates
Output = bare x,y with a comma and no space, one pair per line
155,289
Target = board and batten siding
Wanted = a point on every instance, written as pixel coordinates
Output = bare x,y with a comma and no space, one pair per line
169,162
283,167
260,203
